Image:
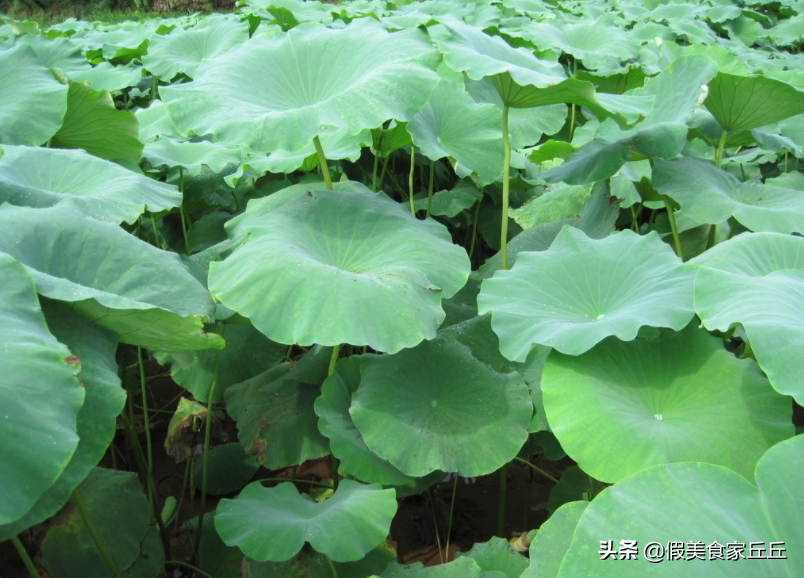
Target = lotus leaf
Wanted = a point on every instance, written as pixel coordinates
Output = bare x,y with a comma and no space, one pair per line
680,397
757,279
582,290
37,439
449,410
41,177
310,85
358,257
274,523
698,504
144,294
32,102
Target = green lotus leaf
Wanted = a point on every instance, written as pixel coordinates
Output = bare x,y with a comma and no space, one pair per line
144,294
468,49
698,504
32,102
525,125
680,397
41,397
97,418
155,122
376,273
437,407
332,408
663,132
337,143
746,102
183,51
580,291
58,53
757,279
522,80
573,485
556,203
450,203
105,76
247,354
708,194
274,523
94,124
274,411
551,543
496,555
116,504
275,92
122,41
230,467
190,156
452,124
593,43
41,177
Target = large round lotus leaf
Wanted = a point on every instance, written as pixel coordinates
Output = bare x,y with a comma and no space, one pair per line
332,408
42,177
594,43
580,291
342,267
276,91
93,123
40,394
746,102
185,50
757,279
274,411
496,555
117,507
708,194
552,541
437,407
680,397
274,523
190,156
144,294
707,511
32,102
452,124
97,418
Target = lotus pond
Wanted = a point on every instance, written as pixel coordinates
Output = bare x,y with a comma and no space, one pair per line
334,290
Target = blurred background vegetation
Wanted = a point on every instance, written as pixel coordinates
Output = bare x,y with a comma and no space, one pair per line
49,12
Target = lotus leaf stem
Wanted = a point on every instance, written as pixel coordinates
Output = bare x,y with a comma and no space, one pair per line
190,566
541,471
430,189
451,509
322,161
183,215
721,147
501,502
505,189
410,178
331,567
205,457
93,532
672,218
26,559
149,465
